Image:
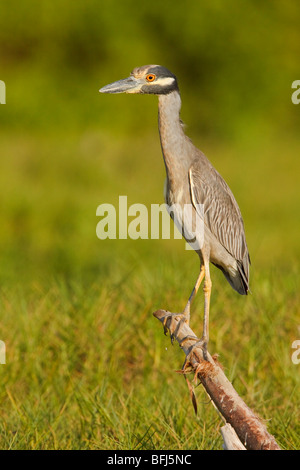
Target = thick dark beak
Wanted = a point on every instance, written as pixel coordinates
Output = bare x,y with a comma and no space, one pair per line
127,85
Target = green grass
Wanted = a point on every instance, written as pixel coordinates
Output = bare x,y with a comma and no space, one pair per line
87,365
90,368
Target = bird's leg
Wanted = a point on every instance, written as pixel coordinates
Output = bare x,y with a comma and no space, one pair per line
187,309
185,315
207,292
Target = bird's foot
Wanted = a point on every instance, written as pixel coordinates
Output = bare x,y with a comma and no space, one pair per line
182,317
199,342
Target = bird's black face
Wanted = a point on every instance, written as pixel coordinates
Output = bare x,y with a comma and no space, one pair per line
149,79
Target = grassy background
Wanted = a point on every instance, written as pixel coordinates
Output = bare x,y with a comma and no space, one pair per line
87,366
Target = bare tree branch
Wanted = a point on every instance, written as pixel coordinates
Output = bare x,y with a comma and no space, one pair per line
248,427
230,438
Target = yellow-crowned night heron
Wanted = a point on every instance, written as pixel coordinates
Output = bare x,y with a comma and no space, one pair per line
192,180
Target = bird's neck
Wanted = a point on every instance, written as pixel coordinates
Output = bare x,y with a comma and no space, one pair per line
174,142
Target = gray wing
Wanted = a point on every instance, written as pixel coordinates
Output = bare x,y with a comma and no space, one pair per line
221,213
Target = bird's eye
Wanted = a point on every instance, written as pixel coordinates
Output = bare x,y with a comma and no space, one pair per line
150,77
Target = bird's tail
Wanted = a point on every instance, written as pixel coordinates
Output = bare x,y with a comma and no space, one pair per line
243,269
239,278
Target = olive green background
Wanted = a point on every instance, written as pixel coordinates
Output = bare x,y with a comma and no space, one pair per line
86,364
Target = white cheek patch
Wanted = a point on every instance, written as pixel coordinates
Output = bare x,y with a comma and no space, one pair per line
134,90
164,81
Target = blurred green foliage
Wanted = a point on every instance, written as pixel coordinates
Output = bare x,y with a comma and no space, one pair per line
235,62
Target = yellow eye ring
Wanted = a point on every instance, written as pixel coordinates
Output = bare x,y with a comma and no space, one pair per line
150,77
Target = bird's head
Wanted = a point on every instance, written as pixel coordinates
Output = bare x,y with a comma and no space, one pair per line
149,79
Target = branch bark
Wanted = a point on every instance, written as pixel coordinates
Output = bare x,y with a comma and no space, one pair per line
248,427
230,438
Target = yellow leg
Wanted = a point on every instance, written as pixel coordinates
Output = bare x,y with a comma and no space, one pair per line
185,315
187,309
207,292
